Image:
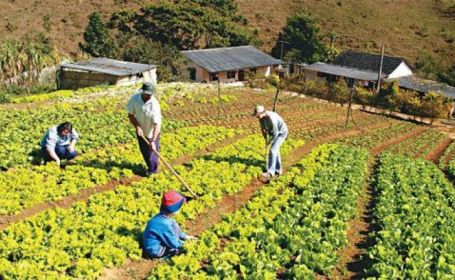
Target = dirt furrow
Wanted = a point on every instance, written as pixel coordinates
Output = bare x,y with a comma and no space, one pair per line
438,151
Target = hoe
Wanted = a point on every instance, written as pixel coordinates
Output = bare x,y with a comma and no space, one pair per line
195,196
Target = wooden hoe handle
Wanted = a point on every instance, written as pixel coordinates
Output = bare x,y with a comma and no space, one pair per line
195,196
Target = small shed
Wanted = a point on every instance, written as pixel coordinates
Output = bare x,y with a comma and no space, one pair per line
425,86
359,67
229,64
104,71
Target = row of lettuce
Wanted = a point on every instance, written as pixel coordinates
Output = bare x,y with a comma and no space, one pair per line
415,212
414,207
24,187
104,231
292,228
97,114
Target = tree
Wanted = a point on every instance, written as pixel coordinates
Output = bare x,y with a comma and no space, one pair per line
194,24
304,41
171,63
98,42
449,77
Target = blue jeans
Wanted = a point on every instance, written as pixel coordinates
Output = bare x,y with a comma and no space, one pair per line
61,151
274,164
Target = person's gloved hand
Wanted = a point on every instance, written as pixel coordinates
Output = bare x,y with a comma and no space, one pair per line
193,238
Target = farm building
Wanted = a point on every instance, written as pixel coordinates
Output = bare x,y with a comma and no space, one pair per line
358,68
424,86
229,64
104,71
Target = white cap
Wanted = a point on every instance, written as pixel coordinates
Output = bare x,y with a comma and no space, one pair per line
258,109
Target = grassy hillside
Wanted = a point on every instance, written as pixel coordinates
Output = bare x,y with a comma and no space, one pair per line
410,28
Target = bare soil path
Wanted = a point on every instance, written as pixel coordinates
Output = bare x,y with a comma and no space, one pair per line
438,151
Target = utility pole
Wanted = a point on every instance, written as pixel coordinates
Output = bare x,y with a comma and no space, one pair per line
380,69
219,97
282,46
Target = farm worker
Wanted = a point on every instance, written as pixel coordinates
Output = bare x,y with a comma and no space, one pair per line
162,236
274,130
144,113
59,143
452,109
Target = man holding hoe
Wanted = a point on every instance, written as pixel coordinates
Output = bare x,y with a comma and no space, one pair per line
274,130
144,113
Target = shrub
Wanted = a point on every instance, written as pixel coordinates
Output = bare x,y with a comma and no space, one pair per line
409,102
339,92
294,82
434,105
364,96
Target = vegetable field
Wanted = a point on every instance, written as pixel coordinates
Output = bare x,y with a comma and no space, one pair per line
371,199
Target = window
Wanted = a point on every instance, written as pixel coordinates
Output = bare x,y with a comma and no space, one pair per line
231,74
213,77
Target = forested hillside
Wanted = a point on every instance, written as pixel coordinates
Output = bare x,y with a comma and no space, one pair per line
420,31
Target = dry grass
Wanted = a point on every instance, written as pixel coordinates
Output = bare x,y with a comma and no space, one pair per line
408,27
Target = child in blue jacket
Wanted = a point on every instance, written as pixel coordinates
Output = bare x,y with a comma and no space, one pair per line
162,236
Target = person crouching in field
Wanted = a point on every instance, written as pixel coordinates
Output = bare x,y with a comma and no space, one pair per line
59,143
162,236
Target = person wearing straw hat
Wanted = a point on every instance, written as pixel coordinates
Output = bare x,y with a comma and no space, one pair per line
162,236
144,113
274,130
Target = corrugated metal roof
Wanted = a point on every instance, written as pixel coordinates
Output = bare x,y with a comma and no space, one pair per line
109,66
367,61
425,86
232,58
337,70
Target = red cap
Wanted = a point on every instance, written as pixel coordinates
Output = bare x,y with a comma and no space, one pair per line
172,201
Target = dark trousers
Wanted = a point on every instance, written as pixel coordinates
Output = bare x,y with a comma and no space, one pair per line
61,151
150,158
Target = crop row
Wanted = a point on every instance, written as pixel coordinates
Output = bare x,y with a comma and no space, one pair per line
20,139
104,231
65,95
292,228
375,138
24,187
415,210
312,132
419,146
447,157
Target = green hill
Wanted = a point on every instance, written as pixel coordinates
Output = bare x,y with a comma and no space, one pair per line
410,28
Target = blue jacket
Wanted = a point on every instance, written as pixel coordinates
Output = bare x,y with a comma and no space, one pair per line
162,233
274,125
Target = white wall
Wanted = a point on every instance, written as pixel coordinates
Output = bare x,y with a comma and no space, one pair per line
402,70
